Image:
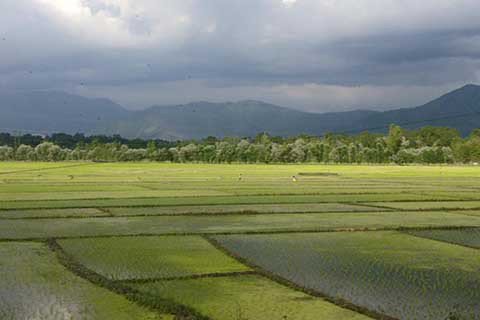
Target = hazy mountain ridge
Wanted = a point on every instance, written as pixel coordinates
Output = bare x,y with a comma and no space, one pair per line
48,112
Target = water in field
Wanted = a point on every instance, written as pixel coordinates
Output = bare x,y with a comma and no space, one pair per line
391,273
35,286
142,226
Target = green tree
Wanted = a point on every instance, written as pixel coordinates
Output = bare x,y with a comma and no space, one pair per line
394,139
152,150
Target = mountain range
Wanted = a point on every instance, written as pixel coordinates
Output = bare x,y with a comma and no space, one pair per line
50,112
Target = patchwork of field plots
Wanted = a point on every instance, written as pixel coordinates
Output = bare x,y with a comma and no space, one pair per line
35,286
192,241
389,272
247,297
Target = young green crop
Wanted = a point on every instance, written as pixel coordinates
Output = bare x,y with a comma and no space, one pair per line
161,225
34,286
431,205
247,297
392,273
53,213
134,258
218,200
229,209
464,237
101,200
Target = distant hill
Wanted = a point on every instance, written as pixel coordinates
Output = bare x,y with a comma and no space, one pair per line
244,118
48,112
458,109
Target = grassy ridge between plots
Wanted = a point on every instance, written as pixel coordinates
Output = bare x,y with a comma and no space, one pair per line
432,280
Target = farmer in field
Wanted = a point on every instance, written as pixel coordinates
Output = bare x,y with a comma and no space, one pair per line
294,178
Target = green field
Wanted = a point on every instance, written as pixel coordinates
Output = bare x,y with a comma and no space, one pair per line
35,286
135,258
432,205
463,237
147,240
247,297
396,274
28,229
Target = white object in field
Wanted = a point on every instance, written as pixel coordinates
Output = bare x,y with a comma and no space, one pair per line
475,163
294,179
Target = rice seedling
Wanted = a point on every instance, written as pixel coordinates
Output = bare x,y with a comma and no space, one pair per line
465,237
395,274
240,223
431,205
247,297
135,258
34,285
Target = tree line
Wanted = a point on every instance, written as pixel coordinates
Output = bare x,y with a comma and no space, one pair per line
428,145
69,141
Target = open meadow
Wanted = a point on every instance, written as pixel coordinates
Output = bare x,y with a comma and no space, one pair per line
100,241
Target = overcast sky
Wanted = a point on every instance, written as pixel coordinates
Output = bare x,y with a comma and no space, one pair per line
316,55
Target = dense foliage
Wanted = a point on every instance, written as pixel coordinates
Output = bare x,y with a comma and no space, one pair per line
426,145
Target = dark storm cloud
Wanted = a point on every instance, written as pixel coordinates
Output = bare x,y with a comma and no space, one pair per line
311,54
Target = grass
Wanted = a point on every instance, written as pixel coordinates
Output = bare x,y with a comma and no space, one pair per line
111,222
92,227
219,200
464,237
86,195
52,213
139,258
247,297
37,287
396,274
247,209
421,205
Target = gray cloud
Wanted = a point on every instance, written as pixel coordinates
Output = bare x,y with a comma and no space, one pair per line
317,55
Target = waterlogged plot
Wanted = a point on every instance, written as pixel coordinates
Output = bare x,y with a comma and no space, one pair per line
429,205
218,200
247,297
150,257
34,286
399,275
464,237
52,213
226,209
90,227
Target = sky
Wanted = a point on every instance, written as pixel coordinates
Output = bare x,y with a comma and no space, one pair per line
312,55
